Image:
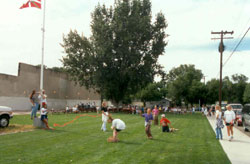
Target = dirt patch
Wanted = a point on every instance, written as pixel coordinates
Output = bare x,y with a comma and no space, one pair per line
16,128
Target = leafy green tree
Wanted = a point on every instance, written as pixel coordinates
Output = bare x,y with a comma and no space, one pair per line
239,85
182,83
58,69
197,91
212,91
246,96
153,92
121,55
227,89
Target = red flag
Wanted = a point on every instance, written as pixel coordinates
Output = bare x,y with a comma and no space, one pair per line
32,3
25,5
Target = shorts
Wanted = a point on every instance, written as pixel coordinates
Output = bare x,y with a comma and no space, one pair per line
44,117
229,124
165,129
118,130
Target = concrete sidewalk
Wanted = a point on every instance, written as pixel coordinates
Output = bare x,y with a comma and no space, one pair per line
237,150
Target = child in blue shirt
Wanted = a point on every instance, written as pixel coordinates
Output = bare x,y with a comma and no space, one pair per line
148,120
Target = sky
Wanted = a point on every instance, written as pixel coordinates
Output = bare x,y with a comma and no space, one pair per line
190,23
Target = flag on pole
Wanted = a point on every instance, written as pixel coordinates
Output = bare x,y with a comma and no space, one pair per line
32,3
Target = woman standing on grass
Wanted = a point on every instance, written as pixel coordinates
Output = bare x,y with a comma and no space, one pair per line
219,122
155,115
229,117
34,103
148,119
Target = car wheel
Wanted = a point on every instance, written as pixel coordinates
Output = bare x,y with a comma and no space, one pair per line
4,121
244,126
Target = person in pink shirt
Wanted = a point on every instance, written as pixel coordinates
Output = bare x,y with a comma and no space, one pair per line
155,115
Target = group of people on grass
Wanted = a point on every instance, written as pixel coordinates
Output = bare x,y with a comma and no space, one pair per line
228,118
39,102
153,116
118,125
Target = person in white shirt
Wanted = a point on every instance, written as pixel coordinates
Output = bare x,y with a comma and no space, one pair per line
104,116
98,109
205,112
104,120
203,109
44,115
42,97
75,109
193,110
229,117
67,109
219,122
117,126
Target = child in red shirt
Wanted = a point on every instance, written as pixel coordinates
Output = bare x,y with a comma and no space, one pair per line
164,123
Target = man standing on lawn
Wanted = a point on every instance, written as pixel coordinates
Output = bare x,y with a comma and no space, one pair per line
229,117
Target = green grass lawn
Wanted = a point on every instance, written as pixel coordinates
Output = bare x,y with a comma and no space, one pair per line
84,142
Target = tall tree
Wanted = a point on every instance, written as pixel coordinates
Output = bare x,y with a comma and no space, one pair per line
180,81
227,90
212,91
239,85
153,92
121,55
246,96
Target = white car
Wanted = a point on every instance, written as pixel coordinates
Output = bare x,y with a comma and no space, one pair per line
236,107
5,115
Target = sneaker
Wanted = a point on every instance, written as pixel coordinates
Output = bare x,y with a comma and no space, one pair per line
229,139
232,137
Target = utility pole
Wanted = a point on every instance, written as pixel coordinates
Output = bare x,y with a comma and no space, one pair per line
221,49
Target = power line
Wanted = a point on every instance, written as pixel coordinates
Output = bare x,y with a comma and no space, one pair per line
234,50
235,47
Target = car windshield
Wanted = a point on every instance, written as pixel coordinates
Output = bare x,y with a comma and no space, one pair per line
236,106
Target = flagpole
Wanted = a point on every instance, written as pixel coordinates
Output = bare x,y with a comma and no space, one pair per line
43,32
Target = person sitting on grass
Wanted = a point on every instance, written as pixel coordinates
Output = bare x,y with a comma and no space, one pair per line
44,115
117,126
148,121
164,123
